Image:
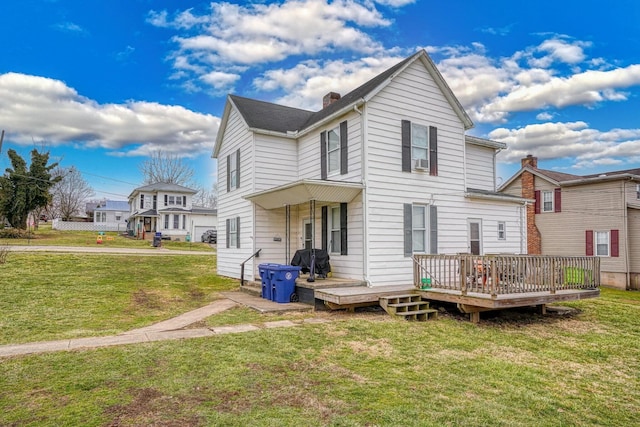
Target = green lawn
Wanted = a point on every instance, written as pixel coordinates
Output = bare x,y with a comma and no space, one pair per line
45,236
56,296
367,369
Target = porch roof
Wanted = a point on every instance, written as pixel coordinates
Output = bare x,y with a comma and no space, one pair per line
305,190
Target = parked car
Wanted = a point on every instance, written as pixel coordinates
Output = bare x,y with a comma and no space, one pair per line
210,236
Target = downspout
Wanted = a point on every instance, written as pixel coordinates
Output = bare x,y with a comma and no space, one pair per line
626,236
363,172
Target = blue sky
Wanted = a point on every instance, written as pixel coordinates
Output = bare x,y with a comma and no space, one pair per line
103,83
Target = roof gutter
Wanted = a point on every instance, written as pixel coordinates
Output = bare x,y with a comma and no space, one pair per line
596,179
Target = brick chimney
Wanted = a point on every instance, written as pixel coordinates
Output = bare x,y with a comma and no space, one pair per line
528,182
529,161
329,99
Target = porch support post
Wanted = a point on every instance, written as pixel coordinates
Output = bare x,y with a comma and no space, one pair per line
287,234
312,216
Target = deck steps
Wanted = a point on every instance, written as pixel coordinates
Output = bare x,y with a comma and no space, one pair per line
409,307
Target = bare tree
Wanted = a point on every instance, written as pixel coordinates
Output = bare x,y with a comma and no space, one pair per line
70,194
207,199
169,168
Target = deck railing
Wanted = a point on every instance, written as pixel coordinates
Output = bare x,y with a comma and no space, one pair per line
505,274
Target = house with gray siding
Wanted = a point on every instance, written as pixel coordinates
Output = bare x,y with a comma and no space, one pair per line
584,215
375,176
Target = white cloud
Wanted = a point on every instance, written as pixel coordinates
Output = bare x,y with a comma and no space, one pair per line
395,3
491,89
544,116
574,141
69,27
39,108
251,34
307,82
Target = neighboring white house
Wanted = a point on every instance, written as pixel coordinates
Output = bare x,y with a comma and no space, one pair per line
111,215
168,209
377,175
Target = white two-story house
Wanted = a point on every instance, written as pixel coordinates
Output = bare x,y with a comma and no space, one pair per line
168,209
377,175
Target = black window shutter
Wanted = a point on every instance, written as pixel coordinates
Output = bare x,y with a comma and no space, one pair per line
408,227
433,150
537,205
589,242
184,200
433,229
228,174
166,200
557,200
344,149
238,169
228,222
325,221
323,155
237,232
343,229
406,145
615,243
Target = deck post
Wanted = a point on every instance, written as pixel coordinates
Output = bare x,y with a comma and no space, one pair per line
494,278
554,276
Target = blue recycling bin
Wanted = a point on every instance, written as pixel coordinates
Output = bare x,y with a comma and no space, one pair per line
283,282
265,277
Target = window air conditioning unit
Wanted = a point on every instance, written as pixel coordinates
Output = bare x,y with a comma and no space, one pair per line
421,164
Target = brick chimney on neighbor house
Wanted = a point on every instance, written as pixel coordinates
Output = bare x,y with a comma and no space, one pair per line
329,99
528,182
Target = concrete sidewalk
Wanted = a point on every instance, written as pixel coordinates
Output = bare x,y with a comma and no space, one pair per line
171,329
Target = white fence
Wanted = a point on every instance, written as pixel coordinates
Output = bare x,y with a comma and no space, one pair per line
58,224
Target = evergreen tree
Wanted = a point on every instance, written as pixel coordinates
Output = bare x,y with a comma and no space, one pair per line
23,190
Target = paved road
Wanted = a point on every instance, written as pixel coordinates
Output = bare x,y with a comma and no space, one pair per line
104,249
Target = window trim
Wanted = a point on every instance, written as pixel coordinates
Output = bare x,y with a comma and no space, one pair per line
502,230
596,244
414,146
337,150
424,230
551,195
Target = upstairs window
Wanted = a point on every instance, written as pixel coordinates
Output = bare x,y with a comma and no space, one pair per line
419,146
547,201
233,170
142,201
333,151
172,200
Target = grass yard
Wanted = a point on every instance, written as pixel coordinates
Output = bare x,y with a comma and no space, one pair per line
45,236
367,369
58,296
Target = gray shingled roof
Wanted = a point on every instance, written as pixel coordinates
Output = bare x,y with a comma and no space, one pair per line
279,118
164,186
557,176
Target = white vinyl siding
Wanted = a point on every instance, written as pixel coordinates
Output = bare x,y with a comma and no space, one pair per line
480,166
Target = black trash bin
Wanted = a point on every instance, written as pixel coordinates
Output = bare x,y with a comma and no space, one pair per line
157,240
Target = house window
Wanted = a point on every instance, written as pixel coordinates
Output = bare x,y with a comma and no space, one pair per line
335,230
101,217
142,201
172,200
233,226
166,222
547,201
178,200
419,228
118,216
184,222
233,170
176,221
333,150
638,191
419,146
602,243
502,230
